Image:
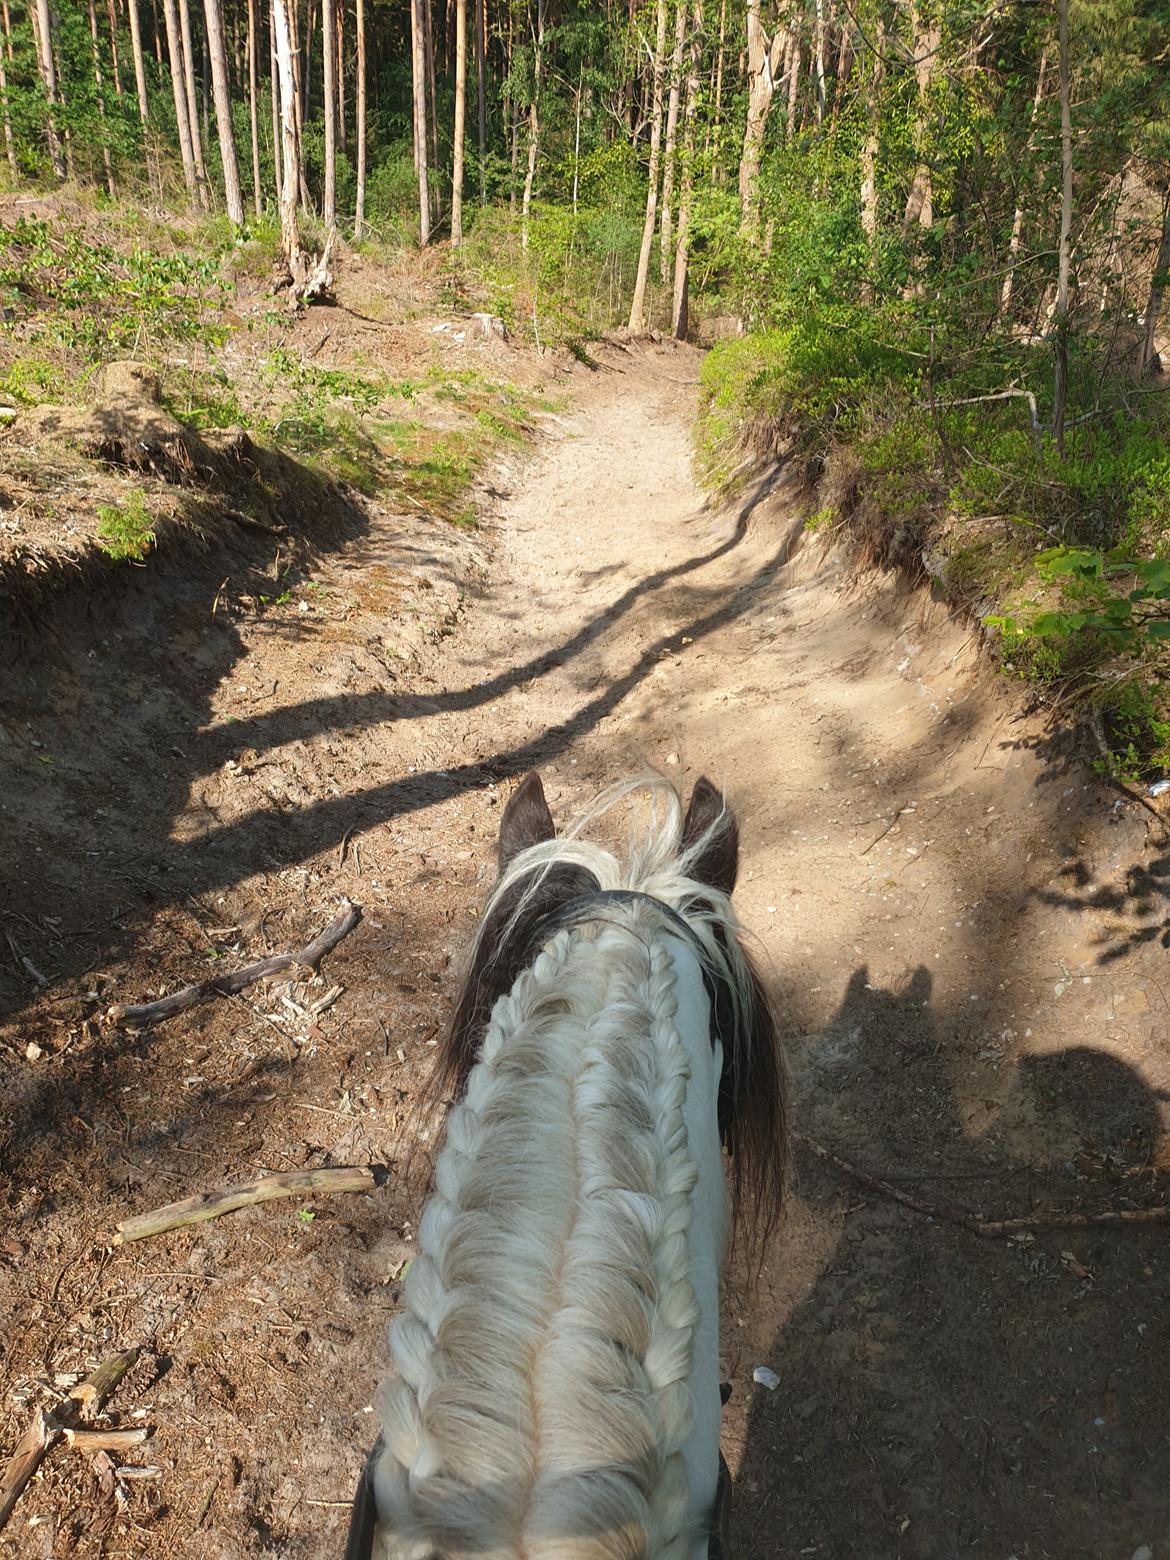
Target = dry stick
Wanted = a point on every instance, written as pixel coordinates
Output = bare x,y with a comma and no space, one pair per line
47,1427
989,1228
210,1205
886,830
144,1014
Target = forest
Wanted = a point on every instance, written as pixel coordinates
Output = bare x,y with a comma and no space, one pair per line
935,235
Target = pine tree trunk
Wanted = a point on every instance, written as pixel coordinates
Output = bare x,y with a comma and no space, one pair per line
534,123
360,111
234,200
158,49
139,62
679,313
192,101
1060,319
638,305
341,134
419,86
257,200
713,134
431,97
43,28
869,151
481,98
329,74
460,115
182,120
101,101
666,223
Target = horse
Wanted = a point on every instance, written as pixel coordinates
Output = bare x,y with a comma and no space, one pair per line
557,1389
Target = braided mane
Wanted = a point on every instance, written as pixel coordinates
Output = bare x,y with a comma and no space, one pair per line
543,1402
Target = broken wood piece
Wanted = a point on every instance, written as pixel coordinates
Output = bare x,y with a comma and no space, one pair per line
143,1015
47,1427
210,1205
105,1440
990,1229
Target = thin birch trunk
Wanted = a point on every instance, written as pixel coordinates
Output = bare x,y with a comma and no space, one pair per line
666,221
460,116
257,201
329,85
274,94
360,111
714,137
869,151
213,16
534,124
819,41
920,201
9,142
1005,297
638,305
101,100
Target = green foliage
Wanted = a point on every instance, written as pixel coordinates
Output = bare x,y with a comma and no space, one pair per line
125,531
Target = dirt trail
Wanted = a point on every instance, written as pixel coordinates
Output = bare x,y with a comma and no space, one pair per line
965,934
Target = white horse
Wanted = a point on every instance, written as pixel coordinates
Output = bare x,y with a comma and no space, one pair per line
557,1392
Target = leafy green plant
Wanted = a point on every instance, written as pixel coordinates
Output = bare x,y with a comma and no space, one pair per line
125,531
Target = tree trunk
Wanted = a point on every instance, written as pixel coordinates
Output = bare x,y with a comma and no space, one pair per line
42,27
360,111
290,181
869,151
460,114
431,97
481,97
534,123
117,72
257,202
192,100
139,62
1158,280
329,77
341,132
1005,297
713,139
274,94
158,51
793,79
9,142
213,16
101,101
1060,378
666,222
419,89
638,305
920,201
679,314
182,119
763,55
819,40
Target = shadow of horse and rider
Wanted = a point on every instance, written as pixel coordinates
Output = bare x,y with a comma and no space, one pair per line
940,1394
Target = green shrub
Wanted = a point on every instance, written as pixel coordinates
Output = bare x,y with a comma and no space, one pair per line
125,531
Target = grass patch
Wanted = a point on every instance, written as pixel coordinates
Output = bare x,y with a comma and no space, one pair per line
125,531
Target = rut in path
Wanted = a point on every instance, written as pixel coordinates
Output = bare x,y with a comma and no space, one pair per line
962,929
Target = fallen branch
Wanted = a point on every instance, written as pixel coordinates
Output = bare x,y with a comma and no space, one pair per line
106,1440
210,1205
991,1229
886,830
143,1015
48,1426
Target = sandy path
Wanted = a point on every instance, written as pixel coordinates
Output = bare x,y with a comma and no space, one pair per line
965,934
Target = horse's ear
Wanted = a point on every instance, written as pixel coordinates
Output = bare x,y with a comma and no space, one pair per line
709,814
526,821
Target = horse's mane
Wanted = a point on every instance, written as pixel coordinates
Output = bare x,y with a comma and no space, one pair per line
541,1402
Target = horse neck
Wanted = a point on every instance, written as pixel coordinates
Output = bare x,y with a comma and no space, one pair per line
561,1224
